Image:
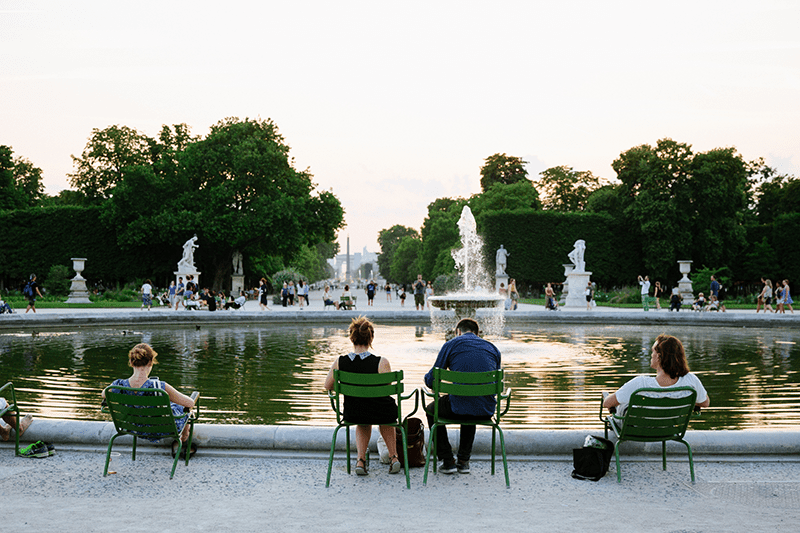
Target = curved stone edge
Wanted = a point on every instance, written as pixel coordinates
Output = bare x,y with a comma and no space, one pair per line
519,442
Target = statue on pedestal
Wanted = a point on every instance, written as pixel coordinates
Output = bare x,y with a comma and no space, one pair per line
186,264
576,256
501,260
237,263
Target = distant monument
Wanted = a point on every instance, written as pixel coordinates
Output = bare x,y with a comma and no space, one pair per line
578,278
186,264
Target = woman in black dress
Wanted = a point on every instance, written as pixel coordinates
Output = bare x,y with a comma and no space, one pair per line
367,411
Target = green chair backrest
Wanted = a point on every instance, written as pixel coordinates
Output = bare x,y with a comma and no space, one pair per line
148,416
468,383
656,414
366,386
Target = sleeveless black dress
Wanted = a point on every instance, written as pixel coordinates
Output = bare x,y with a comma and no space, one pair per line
381,410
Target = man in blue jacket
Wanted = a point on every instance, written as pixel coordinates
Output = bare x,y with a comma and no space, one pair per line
467,352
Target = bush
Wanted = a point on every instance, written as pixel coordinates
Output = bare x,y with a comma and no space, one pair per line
626,295
286,275
58,281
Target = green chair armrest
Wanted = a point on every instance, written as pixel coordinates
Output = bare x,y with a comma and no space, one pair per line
415,394
505,395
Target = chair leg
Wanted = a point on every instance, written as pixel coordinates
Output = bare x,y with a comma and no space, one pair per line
493,450
347,432
691,462
503,450
330,460
664,454
133,453
431,446
177,458
616,453
405,455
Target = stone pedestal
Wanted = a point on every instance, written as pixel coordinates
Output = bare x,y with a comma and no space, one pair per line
577,283
78,292
500,279
183,274
568,268
237,284
685,284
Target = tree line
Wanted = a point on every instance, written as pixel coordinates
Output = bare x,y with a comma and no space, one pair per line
237,188
667,203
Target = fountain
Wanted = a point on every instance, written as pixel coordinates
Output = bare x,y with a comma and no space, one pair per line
474,293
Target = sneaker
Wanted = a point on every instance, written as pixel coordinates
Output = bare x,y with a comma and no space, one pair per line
462,467
36,449
448,467
51,450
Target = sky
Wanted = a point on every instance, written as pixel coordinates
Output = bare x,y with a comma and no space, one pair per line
392,105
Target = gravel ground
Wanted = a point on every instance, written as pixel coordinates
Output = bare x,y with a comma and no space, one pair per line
278,493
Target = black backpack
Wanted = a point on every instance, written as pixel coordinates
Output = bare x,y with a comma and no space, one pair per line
27,290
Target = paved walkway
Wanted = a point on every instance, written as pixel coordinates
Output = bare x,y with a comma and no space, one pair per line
275,492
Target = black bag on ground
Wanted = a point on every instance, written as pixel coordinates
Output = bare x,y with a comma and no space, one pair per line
415,435
590,462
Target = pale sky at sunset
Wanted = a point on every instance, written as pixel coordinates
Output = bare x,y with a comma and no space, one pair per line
392,105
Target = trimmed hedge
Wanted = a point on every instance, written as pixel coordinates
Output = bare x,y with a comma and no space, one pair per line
33,240
539,242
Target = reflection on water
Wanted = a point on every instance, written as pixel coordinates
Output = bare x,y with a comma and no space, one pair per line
274,374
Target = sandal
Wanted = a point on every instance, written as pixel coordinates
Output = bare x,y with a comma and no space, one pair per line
361,470
192,450
395,466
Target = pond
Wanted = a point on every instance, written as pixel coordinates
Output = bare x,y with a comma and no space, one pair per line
273,374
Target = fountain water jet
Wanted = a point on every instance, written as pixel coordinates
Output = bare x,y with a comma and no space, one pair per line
474,293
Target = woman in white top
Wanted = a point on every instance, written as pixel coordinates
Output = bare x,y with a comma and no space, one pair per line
668,359
766,295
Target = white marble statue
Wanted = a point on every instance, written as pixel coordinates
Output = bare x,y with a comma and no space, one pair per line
186,264
576,256
237,262
501,259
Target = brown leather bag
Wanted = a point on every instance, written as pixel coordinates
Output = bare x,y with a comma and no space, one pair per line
415,436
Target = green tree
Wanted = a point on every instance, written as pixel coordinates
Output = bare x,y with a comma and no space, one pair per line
237,189
519,195
683,204
9,198
565,189
20,182
405,263
439,235
104,159
389,239
502,168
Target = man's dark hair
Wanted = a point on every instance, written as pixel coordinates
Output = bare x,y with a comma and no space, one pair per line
468,325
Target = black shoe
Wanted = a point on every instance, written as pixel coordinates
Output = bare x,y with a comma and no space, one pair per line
448,467
462,467
51,450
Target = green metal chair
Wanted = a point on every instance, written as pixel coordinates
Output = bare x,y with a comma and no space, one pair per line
369,386
149,416
468,384
12,409
348,302
654,415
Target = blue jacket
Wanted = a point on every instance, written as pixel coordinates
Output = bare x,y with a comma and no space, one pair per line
468,353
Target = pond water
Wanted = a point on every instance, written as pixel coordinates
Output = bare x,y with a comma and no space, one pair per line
273,374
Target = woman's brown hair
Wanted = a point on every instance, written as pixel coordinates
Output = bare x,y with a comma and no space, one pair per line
361,331
141,355
671,356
